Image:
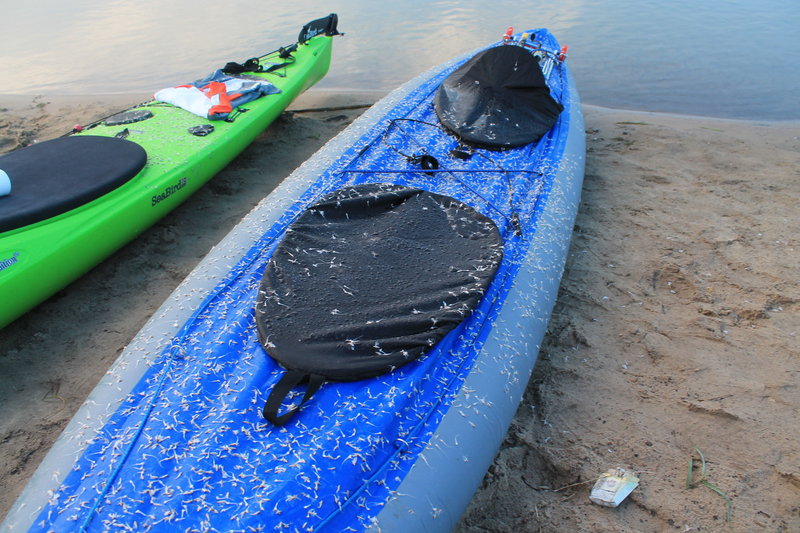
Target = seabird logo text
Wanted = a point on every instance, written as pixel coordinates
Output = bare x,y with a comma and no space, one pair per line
169,191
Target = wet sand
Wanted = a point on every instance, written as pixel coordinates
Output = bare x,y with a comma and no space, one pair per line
676,325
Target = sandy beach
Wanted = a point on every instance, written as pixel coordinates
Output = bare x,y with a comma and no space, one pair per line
675,332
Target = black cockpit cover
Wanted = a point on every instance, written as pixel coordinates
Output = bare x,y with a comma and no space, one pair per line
497,99
368,279
55,176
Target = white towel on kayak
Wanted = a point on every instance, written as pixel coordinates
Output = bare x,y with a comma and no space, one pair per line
5,183
215,96
189,98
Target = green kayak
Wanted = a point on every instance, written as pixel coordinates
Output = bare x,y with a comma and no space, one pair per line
68,203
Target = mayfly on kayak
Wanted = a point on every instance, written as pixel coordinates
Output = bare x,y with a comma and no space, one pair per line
350,356
67,203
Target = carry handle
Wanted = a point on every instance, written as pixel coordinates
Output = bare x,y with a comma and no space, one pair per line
281,390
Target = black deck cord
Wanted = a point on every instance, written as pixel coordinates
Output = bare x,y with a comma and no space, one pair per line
254,63
514,215
428,162
283,53
281,390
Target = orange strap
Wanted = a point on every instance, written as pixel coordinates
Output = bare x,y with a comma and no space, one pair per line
218,88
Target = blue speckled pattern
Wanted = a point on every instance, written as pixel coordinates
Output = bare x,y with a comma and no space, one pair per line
188,450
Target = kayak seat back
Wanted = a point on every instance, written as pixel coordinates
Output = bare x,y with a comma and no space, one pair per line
499,99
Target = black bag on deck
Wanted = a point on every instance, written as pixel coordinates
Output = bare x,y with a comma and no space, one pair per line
368,279
497,99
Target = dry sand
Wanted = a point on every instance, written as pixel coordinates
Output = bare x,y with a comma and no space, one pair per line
676,327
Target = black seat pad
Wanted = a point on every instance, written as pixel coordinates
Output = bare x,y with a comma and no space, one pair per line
52,177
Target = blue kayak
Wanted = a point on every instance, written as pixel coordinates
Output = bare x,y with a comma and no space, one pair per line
175,437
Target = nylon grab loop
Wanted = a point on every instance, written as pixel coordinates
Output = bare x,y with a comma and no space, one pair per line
281,391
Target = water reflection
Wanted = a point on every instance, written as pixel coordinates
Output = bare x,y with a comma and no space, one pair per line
719,57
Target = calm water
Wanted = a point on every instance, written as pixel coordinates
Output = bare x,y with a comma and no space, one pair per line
725,58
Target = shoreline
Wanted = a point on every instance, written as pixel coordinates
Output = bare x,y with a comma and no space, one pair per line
18,103
676,324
